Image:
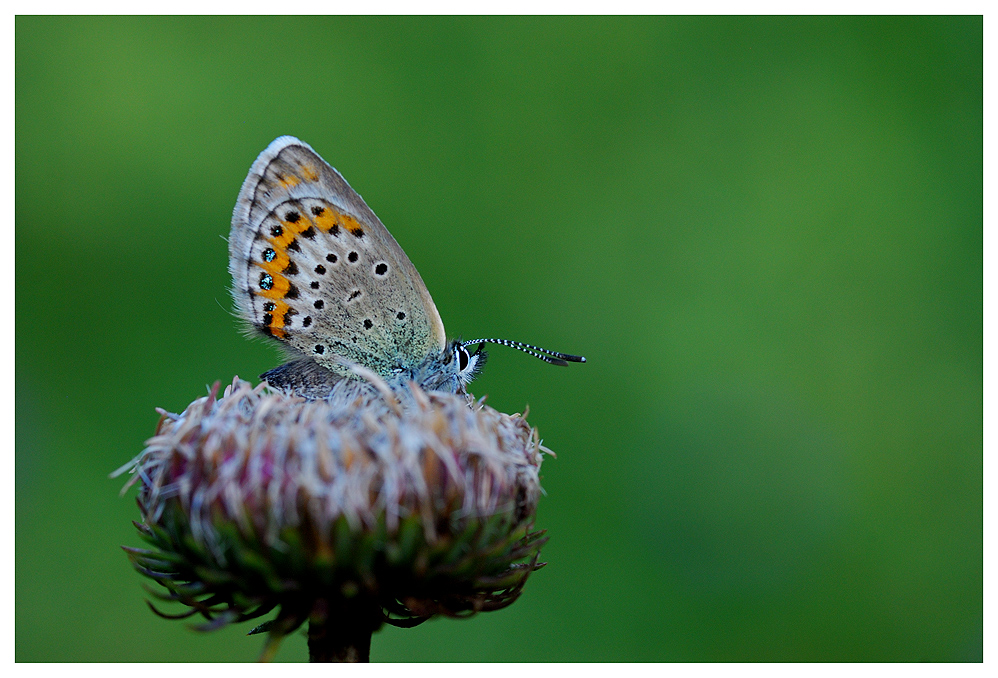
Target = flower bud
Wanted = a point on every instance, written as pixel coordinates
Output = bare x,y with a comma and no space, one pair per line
349,512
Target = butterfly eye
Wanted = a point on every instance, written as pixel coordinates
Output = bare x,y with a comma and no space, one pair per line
462,359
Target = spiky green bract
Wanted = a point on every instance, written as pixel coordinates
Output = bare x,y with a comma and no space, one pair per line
349,514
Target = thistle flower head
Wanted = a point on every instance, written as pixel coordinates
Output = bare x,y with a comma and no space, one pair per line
349,513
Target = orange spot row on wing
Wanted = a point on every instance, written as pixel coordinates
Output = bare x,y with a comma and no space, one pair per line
327,220
330,218
289,231
288,180
351,224
277,265
280,308
277,291
275,326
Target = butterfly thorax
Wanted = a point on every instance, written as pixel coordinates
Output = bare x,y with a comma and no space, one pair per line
450,370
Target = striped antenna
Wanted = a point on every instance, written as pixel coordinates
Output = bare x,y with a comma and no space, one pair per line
550,357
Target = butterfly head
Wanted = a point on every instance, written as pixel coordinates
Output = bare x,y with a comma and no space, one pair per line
452,369
462,361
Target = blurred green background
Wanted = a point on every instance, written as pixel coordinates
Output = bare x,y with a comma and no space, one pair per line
764,233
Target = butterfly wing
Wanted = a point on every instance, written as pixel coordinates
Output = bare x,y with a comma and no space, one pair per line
315,268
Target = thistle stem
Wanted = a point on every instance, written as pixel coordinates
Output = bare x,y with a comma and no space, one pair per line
342,634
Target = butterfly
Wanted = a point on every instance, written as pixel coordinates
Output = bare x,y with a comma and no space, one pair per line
313,267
